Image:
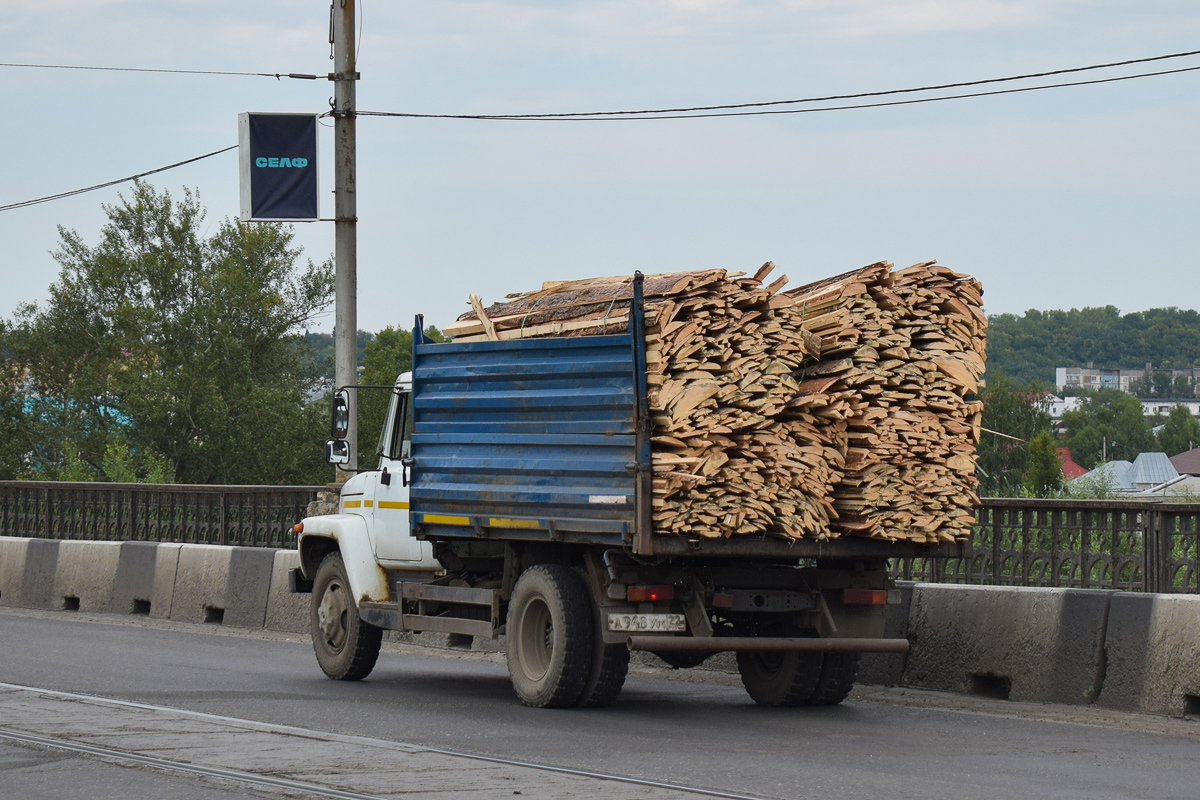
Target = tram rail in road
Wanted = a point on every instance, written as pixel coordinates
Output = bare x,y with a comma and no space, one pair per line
74,722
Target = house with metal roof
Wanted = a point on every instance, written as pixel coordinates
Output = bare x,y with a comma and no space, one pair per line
1146,472
1150,470
1112,476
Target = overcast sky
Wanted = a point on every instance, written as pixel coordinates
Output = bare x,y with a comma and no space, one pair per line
1057,199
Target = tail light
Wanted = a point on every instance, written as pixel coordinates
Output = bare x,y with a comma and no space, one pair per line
865,597
649,594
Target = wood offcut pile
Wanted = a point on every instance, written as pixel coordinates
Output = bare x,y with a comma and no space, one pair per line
832,409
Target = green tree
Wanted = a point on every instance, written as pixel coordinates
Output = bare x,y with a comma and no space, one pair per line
317,351
1044,477
1029,346
180,348
1180,432
1015,412
14,424
384,358
1110,420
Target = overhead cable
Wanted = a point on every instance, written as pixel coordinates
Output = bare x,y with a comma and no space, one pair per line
276,75
74,192
615,116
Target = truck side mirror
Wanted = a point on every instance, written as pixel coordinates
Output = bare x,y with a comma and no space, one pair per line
337,451
340,421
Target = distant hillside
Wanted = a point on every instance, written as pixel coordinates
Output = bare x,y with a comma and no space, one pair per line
1029,347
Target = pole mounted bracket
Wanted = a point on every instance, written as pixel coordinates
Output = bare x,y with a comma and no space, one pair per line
344,113
342,76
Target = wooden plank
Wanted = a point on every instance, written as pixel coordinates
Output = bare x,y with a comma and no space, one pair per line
488,328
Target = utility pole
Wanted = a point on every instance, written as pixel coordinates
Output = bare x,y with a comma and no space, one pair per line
345,207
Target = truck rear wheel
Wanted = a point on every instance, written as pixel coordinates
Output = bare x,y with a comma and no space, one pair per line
837,679
610,666
780,679
346,647
550,637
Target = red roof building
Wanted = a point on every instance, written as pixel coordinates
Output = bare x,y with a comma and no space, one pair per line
1070,469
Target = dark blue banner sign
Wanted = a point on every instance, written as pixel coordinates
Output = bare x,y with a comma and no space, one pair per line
278,167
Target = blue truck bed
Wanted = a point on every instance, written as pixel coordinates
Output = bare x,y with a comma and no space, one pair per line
548,439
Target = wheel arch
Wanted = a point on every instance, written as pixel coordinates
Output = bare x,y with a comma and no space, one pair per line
347,534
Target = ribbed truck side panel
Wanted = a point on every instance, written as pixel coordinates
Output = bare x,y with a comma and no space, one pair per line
533,434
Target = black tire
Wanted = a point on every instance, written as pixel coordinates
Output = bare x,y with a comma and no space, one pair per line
346,647
610,666
683,659
780,679
550,637
837,679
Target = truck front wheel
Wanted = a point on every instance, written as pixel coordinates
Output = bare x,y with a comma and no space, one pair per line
550,637
346,647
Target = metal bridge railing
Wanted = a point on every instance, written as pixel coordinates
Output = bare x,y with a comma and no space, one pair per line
249,516
1133,546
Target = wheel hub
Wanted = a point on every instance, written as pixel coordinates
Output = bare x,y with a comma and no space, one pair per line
331,615
535,639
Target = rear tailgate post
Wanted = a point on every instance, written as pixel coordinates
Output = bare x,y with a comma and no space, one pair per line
643,543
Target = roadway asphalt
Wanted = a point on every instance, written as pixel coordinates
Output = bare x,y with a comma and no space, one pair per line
695,733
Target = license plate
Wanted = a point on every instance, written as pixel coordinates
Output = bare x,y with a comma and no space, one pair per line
668,623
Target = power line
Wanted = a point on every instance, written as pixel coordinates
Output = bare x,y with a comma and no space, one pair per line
74,192
613,116
931,88
275,75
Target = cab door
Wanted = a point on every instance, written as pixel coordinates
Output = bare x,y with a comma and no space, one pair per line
390,528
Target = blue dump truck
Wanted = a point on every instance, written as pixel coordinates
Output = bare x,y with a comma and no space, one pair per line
513,498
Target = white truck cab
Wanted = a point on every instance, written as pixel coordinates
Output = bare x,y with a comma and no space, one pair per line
371,529
380,496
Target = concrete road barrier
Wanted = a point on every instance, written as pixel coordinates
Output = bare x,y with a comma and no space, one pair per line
201,583
1042,645
27,570
225,585
12,568
1153,648
250,571
85,576
286,611
133,585
166,564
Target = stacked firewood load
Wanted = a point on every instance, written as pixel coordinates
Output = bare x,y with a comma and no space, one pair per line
836,408
904,350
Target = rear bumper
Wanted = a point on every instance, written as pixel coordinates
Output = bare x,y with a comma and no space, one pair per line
762,644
